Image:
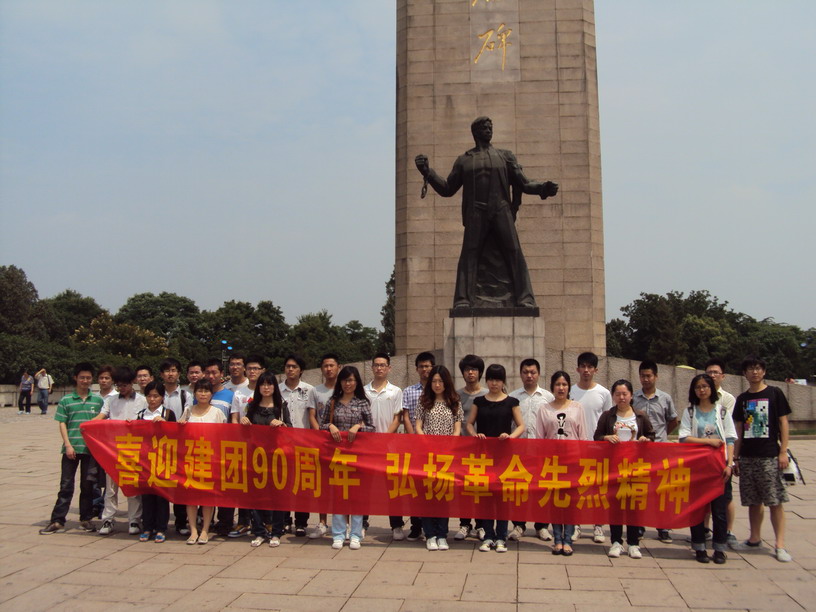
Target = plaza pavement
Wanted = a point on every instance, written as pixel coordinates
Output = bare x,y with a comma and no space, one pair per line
83,571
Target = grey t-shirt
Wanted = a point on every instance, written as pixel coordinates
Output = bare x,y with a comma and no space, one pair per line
467,401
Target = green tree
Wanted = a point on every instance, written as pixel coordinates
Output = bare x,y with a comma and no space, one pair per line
176,318
18,298
66,312
387,318
106,336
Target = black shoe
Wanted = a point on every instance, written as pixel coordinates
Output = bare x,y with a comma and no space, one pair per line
719,557
414,534
300,532
53,528
702,557
664,536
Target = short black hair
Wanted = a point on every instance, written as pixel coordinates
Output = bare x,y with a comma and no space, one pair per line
83,366
648,364
472,361
326,356
203,384
425,356
237,356
194,363
751,361
526,363
214,361
715,361
297,359
124,374
589,358
620,382
105,368
170,362
259,359
382,355
145,367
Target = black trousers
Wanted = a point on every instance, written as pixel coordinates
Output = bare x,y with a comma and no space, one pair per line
88,471
155,513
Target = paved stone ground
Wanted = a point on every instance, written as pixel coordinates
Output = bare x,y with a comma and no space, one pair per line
82,571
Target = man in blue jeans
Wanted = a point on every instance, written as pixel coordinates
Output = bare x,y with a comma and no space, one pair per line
44,386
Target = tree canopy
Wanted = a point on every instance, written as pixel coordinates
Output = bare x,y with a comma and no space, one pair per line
59,331
689,330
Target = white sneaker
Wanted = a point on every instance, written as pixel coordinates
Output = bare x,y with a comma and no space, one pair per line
544,534
634,552
783,555
500,546
399,534
134,529
337,544
486,546
355,543
516,533
464,531
480,533
442,544
256,542
319,531
431,544
274,542
598,535
106,529
615,550
577,533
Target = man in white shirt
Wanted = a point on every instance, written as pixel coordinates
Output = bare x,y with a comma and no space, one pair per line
386,412
122,406
45,384
595,400
530,396
330,367
299,397
237,373
715,368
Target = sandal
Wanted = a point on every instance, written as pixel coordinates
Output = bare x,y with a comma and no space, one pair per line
160,537
558,549
567,550
144,536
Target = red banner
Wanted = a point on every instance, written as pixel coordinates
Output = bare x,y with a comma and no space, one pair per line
553,481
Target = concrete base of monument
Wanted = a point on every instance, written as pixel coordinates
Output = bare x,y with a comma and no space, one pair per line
494,311
505,340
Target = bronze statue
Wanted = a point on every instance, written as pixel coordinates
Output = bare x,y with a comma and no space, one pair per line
492,271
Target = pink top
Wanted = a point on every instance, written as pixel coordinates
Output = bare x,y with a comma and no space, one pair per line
565,423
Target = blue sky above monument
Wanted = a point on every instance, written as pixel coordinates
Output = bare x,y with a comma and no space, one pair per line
246,151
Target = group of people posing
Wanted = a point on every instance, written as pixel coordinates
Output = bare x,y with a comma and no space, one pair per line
751,430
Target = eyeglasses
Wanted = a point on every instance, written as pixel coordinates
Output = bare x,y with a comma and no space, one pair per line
253,369
713,373
754,369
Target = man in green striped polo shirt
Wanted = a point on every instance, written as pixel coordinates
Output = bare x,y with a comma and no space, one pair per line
73,410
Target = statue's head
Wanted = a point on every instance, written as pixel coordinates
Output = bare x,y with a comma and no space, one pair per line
482,129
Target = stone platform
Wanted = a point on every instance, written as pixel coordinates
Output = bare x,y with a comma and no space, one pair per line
83,571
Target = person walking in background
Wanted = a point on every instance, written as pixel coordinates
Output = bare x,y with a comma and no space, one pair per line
26,386
45,384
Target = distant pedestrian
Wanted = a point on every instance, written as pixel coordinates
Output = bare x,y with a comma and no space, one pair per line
45,384
26,386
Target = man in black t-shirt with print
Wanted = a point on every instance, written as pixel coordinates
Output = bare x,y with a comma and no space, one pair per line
761,421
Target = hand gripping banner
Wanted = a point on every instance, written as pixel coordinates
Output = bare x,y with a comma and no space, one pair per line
552,481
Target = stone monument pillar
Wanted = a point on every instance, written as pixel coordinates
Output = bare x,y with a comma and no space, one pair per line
530,66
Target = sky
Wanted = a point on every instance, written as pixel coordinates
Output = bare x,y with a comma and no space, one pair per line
245,150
